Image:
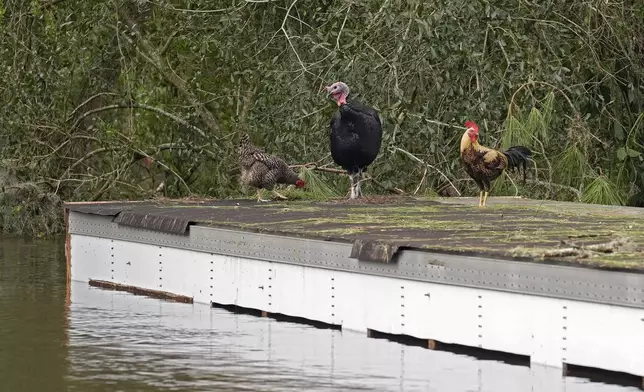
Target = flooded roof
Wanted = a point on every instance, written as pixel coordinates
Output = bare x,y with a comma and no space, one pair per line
544,231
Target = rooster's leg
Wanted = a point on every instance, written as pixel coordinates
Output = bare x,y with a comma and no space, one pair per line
481,199
259,196
279,195
484,199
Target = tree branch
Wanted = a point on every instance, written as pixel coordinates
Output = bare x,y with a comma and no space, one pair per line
152,56
139,106
313,166
415,158
85,102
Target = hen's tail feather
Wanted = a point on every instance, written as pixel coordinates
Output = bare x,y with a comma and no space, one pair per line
244,139
518,157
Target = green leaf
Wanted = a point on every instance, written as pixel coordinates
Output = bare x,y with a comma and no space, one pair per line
621,153
632,153
618,130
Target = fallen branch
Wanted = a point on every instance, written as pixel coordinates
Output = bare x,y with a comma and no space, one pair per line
422,180
577,192
516,190
152,56
160,163
313,166
87,156
575,250
139,106
412,156
64,143
85,102
395,190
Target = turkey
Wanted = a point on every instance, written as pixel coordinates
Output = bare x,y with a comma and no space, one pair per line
356,135
263,171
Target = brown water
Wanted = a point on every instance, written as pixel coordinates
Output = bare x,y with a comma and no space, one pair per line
97,340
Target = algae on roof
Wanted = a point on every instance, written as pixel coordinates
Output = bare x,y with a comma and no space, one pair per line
534,230
509,227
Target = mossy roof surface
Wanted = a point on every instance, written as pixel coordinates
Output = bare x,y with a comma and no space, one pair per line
512,228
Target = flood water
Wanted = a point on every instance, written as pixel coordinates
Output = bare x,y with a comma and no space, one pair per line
98,340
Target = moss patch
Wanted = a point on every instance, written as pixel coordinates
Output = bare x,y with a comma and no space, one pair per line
508,227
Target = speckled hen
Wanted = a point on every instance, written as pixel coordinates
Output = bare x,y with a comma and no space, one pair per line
263,171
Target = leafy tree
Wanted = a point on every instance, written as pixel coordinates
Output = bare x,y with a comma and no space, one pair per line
127,99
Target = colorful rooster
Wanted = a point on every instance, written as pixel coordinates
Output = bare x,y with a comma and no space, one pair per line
485,164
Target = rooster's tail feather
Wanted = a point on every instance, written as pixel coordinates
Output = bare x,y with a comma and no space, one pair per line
518,157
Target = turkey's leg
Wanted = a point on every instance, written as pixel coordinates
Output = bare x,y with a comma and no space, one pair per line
353,186
259,196
359,183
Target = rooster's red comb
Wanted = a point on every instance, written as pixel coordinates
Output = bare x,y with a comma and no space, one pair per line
472,124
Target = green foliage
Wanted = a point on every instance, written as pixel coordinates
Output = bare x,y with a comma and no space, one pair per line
316,186
602,191
570,166
92,88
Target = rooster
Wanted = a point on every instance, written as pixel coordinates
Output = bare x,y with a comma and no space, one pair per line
263,171
356,135
485,164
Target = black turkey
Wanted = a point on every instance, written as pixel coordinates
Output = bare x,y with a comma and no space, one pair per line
356,135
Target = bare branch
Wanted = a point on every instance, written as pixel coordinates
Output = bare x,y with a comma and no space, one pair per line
85,102
87,156
337,40
395,190
139,106
168,169
575,191
63,144
415,158
313,166
150,55
167,42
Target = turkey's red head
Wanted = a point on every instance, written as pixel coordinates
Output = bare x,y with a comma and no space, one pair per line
472,130
300,183
339,91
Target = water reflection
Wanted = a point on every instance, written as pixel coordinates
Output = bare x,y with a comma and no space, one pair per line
113,341
136,341
33,319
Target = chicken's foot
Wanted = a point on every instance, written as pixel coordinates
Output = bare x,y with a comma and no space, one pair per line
484,199
259,196
481,199
279,195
